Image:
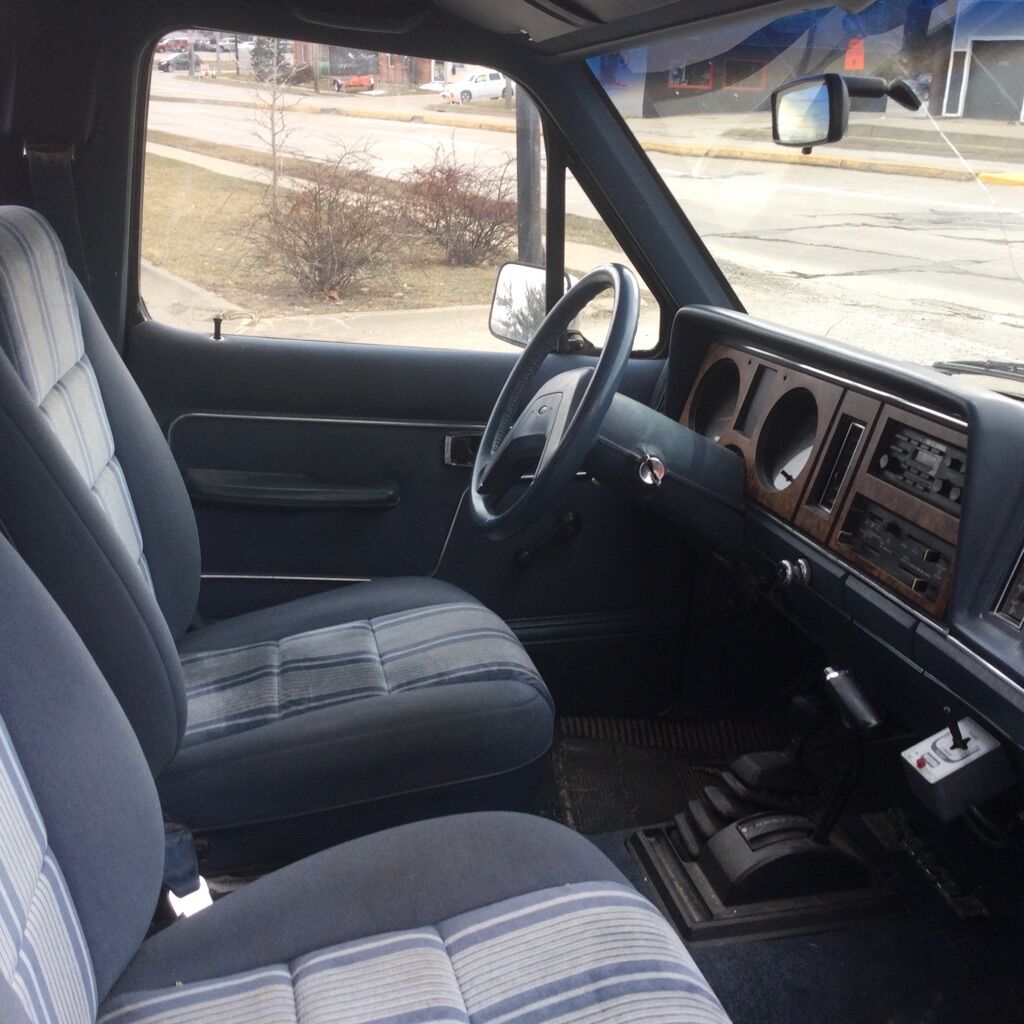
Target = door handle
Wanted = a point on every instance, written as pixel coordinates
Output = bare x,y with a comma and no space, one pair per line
460,449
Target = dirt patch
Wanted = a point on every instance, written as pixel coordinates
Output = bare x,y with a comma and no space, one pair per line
198,225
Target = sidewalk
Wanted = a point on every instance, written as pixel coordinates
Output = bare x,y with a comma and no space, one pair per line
994,151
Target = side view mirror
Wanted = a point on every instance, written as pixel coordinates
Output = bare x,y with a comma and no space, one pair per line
520,302
816,110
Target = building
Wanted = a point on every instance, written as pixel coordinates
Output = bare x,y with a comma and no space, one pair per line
985,77
396,69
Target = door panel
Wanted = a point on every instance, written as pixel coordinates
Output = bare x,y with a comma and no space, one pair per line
382,498
255,424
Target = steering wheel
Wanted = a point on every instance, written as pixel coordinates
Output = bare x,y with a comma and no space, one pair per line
551,434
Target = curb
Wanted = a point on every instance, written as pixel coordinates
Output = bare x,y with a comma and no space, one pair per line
811,160
656,146
1001,177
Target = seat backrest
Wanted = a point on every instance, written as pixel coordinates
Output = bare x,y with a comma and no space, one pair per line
81,836
93,499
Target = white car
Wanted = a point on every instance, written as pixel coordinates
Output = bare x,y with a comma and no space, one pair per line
481,85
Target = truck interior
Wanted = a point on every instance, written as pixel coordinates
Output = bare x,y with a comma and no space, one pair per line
511,511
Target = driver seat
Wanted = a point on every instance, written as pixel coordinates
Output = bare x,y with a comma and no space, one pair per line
374,704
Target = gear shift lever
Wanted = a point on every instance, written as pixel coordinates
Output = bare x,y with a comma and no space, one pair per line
957,739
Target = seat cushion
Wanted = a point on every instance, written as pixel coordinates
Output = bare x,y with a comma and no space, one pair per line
394,688
487,917
438,645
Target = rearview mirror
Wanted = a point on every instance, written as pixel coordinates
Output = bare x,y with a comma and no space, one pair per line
810,111
520,302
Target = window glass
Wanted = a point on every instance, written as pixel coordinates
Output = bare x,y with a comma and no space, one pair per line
321,192
299,190
589,243
907,237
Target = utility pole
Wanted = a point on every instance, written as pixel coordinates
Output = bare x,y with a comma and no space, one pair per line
316,67
191,53
528,180
216,59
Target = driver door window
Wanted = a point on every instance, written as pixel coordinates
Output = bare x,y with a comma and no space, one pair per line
266,210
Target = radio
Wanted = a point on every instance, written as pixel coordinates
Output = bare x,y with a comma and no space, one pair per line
924,466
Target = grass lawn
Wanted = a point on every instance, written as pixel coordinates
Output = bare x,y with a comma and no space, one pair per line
197,224
577,229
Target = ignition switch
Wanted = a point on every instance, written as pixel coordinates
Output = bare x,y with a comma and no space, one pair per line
651,470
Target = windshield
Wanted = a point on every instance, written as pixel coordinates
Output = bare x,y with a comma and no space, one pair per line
906,238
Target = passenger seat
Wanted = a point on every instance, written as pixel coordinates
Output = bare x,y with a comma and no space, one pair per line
493,917
350,709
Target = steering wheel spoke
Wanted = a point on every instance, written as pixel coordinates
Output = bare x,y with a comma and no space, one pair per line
523,447
558,426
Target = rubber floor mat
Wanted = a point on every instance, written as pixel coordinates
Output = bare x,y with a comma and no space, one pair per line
614,773
700,740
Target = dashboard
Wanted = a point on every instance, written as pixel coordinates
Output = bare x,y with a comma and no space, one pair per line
880,486
898,491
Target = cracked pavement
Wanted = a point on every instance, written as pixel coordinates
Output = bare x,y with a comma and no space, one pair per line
915,268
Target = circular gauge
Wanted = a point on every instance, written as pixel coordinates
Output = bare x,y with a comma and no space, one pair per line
787,439
715,401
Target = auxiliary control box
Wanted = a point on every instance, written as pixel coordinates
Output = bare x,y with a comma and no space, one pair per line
959,766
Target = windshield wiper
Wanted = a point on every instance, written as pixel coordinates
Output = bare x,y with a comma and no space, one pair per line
1003,368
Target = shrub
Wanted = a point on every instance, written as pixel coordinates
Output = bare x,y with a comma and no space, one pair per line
329,230
468,208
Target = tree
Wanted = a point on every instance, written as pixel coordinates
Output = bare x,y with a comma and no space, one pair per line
469,209
273,71
330,230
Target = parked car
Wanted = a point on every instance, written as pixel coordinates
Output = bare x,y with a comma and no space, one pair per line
179,62
481,85
172,43
208,44
363,81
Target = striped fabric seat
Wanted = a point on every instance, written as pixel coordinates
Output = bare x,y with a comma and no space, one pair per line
584,953
43,955
238,689
41,333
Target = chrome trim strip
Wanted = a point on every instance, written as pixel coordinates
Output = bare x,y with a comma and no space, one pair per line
282,577
846,382
939,627
338,420
1002,597
970,652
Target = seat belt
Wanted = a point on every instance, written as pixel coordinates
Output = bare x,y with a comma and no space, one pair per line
187,891
51,173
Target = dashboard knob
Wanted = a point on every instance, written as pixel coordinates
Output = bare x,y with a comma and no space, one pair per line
651,470
793,571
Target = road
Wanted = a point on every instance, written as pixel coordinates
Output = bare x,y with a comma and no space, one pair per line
913,267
